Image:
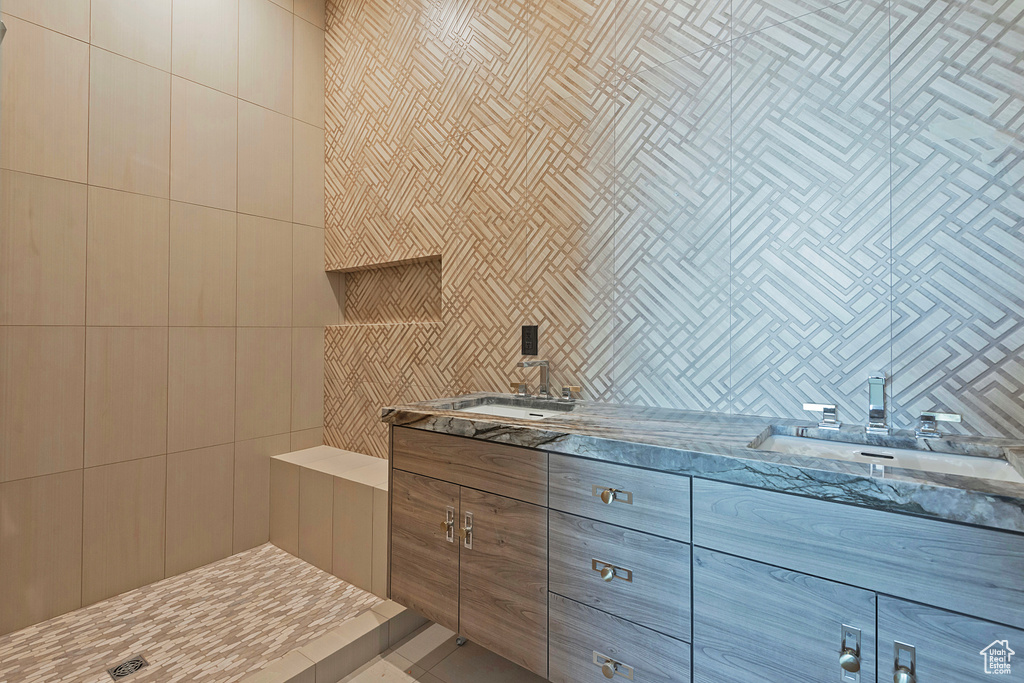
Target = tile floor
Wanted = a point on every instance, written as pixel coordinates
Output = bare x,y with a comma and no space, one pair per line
431,656
214,624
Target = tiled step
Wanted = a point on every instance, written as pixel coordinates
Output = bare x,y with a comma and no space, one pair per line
329,507
338,653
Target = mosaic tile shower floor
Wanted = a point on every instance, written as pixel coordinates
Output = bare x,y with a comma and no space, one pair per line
214,624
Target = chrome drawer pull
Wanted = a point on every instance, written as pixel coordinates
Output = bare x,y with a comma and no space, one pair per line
609,571
609,495
610,667
467,531
448,526
905,664
849,654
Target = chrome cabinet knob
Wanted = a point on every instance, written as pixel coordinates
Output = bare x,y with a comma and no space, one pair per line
609,668
903,675
607,573
849,661
607,496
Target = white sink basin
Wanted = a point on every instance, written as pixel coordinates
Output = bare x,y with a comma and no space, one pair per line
517,412
945,463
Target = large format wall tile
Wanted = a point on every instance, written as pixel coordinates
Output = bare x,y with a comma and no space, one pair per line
42,397
958,160
137,29
265,55
44,120
810,202
40,549
204,145
125,393
307,378
264,272
672,167
308,72
205,45
308,175
199,507
316,295
263,382
42,250
252,489
202,266
264,162
201,387
128,246
313,11
129,125
123,527
70,17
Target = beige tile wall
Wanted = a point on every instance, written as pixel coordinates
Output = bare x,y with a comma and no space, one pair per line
162,288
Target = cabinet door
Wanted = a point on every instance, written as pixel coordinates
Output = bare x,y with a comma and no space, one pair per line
504,565
946,646
755,623
424,563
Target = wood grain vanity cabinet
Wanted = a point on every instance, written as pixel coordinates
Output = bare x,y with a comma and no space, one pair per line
586,571
474,561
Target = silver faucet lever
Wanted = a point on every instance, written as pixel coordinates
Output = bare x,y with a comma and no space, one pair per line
829,415
519,388
928,427
568,391
542,390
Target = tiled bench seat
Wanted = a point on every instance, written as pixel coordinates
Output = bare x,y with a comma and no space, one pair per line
329,507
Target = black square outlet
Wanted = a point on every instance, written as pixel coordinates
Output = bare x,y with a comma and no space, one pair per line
530,341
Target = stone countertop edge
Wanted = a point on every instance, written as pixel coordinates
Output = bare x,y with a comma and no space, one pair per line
714,453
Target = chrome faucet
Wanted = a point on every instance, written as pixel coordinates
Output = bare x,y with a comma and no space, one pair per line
542,390
877,423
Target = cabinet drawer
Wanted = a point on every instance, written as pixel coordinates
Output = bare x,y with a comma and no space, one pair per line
756,623
654,502
651,585
581,635
966,569
520,473
947,646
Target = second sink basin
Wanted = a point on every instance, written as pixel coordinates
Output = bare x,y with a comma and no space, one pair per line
518,408
929,461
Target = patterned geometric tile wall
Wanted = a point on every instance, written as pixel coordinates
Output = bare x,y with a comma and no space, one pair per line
731,206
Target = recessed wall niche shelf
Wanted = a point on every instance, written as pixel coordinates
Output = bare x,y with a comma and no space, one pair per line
394,293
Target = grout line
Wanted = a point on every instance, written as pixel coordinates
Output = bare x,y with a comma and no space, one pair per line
85,308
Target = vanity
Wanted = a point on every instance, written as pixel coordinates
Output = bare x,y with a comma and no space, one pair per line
597,542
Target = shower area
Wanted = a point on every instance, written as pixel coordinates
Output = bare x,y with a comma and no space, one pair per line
163,302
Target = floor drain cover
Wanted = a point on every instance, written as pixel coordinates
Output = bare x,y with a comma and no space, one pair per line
127,668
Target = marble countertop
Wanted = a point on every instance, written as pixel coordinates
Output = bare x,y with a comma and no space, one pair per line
715,446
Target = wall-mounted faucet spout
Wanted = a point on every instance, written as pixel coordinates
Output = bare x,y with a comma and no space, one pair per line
877,422
542,390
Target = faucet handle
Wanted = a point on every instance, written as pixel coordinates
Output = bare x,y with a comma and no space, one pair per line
829,414
519,388
568,391
928,427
